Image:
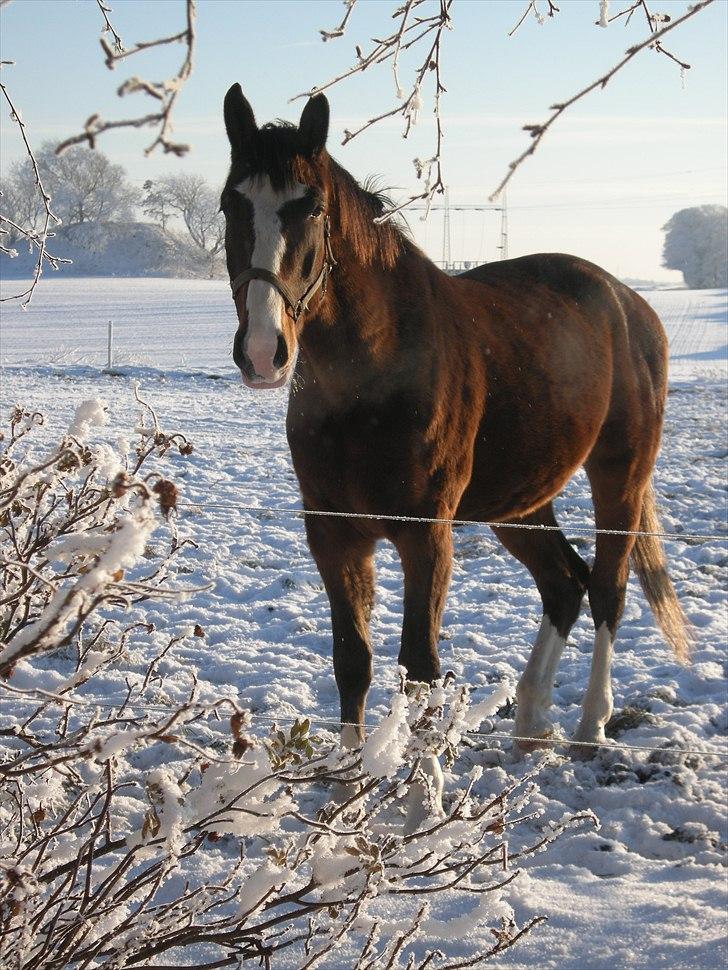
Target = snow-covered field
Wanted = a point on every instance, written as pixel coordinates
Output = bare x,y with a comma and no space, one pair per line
648,889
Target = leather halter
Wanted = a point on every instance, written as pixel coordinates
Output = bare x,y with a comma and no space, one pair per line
293,306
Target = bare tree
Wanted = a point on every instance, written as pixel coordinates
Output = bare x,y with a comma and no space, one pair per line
195,203
156,205
84,184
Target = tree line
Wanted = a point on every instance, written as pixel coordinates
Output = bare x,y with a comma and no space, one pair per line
86,186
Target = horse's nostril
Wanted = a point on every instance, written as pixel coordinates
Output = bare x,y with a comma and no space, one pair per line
281,353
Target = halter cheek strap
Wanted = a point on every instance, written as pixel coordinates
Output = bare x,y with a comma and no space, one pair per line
295,307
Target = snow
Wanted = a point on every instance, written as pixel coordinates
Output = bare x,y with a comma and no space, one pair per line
383,750
645,891
126,249
89,414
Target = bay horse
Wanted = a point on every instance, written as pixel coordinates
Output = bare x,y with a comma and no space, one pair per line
418,394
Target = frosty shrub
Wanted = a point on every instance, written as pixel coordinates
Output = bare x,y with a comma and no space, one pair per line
71,524
137,833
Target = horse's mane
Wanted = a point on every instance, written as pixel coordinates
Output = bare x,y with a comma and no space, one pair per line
359,205
277,154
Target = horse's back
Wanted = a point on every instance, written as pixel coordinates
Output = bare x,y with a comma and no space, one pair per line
574,278
539,286
575,358
557,270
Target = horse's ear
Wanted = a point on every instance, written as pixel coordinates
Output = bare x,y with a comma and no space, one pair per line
314,125
239,119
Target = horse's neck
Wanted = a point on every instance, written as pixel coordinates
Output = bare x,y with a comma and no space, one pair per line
368,299
371,323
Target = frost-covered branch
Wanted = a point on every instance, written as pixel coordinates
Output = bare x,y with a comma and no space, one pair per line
532,7
537,131
73,525
208,851
653,23
419,26
36,239
109,28
152,439
418,29
164,92
339,31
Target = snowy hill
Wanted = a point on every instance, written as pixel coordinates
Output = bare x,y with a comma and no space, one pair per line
118,249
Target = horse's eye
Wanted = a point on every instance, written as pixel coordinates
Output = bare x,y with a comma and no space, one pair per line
317,212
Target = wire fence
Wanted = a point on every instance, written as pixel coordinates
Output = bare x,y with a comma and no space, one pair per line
329,720
577,529
684,326
428,520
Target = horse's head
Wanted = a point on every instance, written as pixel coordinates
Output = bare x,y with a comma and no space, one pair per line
275,202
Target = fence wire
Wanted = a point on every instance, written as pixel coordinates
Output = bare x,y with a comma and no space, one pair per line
203,707
535,527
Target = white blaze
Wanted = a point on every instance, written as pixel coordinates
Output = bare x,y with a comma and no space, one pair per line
264,303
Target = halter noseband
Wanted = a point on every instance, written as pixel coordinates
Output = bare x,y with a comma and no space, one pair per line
294,306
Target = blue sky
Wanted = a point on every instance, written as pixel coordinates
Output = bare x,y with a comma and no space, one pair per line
601,185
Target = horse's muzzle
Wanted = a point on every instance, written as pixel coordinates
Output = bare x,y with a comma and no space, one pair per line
275,372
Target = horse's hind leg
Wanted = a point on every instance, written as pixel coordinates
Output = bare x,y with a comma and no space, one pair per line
617,492
561,577
345,560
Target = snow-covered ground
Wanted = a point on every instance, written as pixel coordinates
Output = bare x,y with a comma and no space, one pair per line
646,891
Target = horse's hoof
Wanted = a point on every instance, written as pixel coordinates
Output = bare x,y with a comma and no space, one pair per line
586,744
538,737
522,748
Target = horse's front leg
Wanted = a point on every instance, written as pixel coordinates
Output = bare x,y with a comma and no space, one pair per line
425,550
426,554
345,560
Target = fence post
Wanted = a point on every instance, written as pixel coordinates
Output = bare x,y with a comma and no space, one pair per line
110,346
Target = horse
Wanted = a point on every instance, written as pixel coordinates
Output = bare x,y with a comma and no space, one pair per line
418,395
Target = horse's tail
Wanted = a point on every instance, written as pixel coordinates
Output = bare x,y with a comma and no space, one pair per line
648,559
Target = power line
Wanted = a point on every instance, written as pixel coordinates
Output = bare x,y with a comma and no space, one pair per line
645,177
